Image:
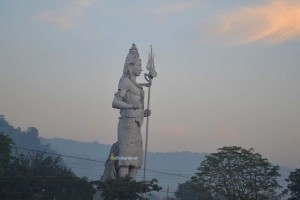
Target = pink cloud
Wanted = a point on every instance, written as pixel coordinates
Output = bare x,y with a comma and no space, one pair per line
274,22
67,16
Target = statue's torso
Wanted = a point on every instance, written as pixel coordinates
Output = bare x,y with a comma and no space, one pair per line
134,96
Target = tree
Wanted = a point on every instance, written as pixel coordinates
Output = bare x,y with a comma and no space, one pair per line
190,191
6,144
294,184
235,173
126,188
43,176
37,175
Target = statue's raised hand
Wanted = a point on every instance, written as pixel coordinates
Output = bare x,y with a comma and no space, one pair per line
147,113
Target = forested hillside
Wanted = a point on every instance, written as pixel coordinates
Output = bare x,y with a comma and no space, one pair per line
23,139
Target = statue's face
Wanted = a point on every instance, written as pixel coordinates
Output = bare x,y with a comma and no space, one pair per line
137,68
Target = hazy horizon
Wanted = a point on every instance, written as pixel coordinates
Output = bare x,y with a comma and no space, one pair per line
228,72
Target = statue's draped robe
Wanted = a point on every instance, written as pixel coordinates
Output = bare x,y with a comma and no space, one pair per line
130,122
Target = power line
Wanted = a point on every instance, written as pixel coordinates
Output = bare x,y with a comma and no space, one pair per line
62,155
93,160
172,174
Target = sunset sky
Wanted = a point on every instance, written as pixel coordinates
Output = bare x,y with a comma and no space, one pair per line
228,71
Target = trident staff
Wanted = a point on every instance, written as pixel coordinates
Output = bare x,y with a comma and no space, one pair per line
152,73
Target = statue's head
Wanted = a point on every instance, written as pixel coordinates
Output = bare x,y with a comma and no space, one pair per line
132,58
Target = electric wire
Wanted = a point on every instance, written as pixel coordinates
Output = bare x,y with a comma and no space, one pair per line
94,160
102,163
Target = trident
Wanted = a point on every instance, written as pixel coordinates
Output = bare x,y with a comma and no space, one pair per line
152,73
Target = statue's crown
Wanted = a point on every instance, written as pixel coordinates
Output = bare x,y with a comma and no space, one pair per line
133,54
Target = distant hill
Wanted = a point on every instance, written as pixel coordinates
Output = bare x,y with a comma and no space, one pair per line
26,139
169,168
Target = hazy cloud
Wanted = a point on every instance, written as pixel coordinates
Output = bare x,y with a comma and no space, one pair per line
67,15
85,3
175,129
274,22
171,9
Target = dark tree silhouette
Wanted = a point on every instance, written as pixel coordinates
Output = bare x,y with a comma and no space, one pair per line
190,191
37,175
294,185
126,188
236,173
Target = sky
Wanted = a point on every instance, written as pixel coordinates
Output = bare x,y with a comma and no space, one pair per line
228,71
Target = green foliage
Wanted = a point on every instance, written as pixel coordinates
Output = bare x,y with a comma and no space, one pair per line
294,185
5,153
46,176
126,188
236,173
190,191
36,175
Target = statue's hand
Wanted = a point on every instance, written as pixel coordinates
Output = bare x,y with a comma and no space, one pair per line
137,106
147,113
145,84
148,84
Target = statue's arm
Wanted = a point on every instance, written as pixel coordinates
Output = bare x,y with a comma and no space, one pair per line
119,101
145,84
